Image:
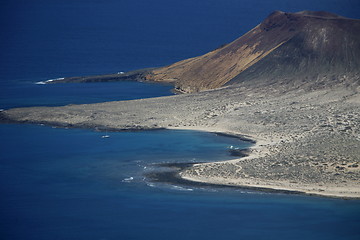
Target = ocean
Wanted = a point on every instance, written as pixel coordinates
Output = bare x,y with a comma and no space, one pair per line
58,183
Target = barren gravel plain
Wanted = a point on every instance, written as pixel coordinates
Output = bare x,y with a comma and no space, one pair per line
307,139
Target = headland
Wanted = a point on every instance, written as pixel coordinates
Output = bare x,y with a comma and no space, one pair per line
297,96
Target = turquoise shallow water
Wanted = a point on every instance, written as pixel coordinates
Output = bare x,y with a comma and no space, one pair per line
73,184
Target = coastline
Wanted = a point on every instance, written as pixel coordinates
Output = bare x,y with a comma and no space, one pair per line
173,177
304,142
182,176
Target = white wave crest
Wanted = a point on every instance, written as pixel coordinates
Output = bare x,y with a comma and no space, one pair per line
128,179
49,81
181,188
41,82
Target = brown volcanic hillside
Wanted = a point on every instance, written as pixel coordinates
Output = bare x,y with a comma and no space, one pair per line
285,45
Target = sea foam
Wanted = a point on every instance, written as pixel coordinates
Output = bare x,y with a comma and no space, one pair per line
49,81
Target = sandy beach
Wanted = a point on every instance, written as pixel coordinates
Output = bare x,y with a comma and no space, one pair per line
306,140
287,84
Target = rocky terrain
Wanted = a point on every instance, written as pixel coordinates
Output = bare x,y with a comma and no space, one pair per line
285,47
299,100
306,141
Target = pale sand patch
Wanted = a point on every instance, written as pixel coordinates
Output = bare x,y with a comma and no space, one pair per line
350,190
329,190
307,141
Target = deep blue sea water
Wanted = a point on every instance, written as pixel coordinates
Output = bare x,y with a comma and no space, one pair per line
26,93
73,184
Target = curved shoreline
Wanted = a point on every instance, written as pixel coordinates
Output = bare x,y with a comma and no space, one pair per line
178,175
173,177
306,142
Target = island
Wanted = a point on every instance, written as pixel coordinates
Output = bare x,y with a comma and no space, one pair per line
291,84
